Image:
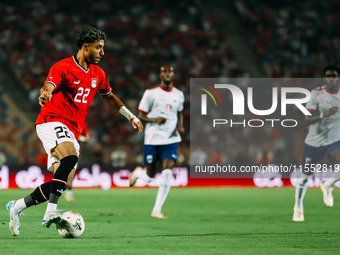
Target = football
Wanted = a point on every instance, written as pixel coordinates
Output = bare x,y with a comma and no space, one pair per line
72,226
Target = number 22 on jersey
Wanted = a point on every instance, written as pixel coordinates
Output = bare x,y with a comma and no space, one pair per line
82,95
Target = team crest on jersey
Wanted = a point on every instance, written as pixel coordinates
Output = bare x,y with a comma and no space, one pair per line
94,83
149,159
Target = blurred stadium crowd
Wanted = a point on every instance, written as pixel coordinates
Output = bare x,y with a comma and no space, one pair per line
291,38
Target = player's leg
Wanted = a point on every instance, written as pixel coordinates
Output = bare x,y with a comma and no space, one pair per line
68,156
147,175
169,157
326,187
63,150
15,208
143,174
69,193
40,195
69,197
311,155
300,191
70,176
164,188
47,134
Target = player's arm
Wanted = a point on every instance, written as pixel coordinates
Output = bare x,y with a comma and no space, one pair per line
180,126
316,116
112,100
46,93
143,117
84,137
145,106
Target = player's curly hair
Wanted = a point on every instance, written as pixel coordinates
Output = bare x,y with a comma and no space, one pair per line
331,67
89,35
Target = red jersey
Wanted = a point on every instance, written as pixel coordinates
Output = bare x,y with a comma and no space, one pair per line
74,91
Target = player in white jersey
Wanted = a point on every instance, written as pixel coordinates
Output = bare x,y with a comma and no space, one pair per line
323,138
161,108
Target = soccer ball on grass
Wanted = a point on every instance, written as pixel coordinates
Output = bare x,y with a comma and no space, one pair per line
72,226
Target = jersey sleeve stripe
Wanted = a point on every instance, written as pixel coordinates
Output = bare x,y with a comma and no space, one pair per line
105,94
51,83
142,111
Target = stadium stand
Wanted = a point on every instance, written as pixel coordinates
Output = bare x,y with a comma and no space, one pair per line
292,38
142,36
17,142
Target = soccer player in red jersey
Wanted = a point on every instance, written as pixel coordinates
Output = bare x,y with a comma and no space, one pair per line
65,99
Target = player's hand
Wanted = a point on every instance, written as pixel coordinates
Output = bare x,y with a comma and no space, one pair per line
44,96
331,111
160,120
181,129
137,124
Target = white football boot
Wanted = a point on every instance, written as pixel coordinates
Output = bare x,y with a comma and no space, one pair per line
327,195
51,217
14,218
298,215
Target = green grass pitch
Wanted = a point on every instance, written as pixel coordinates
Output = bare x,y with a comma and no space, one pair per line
201,221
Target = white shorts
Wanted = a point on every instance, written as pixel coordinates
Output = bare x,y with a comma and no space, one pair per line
51,134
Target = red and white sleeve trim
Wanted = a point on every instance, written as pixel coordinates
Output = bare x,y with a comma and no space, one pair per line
105,94
51,83
142,111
